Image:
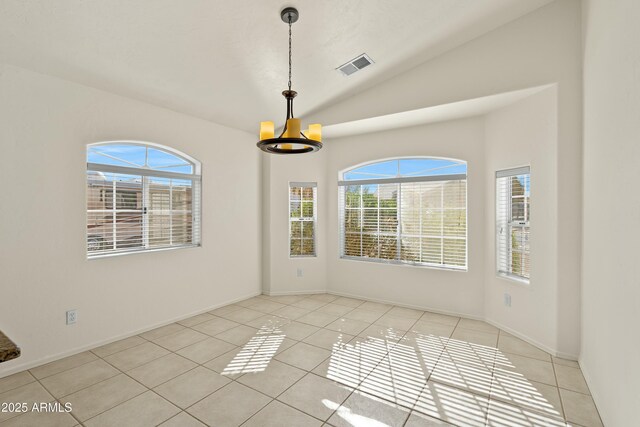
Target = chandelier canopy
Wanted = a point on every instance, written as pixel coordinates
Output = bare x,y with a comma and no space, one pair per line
292,140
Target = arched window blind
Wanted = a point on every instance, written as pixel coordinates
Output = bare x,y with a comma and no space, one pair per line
405,211
140,197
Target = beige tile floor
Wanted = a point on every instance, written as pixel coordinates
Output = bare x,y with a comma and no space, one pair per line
309,360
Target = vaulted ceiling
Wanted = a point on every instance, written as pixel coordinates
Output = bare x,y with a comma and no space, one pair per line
226,61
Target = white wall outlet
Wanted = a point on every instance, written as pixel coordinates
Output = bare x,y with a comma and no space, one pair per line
299,272
507,300
72,317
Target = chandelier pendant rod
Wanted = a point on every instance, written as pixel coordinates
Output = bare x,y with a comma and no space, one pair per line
289,94
290,52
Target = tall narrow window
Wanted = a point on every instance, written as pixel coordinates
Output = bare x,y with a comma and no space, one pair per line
140,197
513,209
302,219
405,211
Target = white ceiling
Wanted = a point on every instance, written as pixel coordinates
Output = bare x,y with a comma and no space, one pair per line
226,61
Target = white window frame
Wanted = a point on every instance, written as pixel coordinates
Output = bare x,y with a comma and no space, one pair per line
342,184
505,224
301,185
147,174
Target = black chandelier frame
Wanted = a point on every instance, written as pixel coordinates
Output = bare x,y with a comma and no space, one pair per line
298,145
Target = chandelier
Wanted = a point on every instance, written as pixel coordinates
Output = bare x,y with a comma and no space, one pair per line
292,140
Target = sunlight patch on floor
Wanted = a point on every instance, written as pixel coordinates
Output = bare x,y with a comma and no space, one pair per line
461,377
352,418
257,353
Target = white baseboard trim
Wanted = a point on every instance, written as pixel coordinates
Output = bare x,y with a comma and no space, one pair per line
531,341
9,370
399,304
305,292
595,395
48,359
467,316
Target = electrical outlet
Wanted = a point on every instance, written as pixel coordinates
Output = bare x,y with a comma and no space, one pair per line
299,272
507,300
72,317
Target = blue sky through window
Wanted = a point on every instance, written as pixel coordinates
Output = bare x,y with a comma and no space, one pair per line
140,156
526,183
406,168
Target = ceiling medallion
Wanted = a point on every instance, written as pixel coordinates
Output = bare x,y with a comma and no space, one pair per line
291,140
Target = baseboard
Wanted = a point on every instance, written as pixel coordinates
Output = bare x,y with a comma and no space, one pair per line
531,341
42,361
305,292
594,393
465,315
399,304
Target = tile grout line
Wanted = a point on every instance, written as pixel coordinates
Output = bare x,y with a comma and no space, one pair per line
237,378
248,386
386,354
412,409
358,385
312,373
65,370
493,378
172,378
172,403
289,320
56,399
125,373
535,410
555,376
171,351
283,403
21,385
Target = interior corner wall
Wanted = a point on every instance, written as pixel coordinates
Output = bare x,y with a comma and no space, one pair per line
45,124
525,134
543,47
611,277
265,242
281,275
447,291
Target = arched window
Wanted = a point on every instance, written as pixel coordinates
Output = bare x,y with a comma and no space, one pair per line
140,196
405,211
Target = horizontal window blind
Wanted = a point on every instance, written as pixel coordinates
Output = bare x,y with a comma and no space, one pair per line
302,219
513,209
423,222
128,212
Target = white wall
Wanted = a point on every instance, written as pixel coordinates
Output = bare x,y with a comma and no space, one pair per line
437,289
45,124
525,133
543,47
280,275
611,277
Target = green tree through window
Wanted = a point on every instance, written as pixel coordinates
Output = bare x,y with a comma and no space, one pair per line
410,211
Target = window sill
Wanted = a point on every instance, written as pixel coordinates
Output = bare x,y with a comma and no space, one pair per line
404,264
514,279
141,251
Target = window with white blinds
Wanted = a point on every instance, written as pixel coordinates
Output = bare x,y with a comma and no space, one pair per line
302,219
140,197
513,209
405,211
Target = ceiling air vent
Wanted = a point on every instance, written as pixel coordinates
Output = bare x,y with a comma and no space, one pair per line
357,63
